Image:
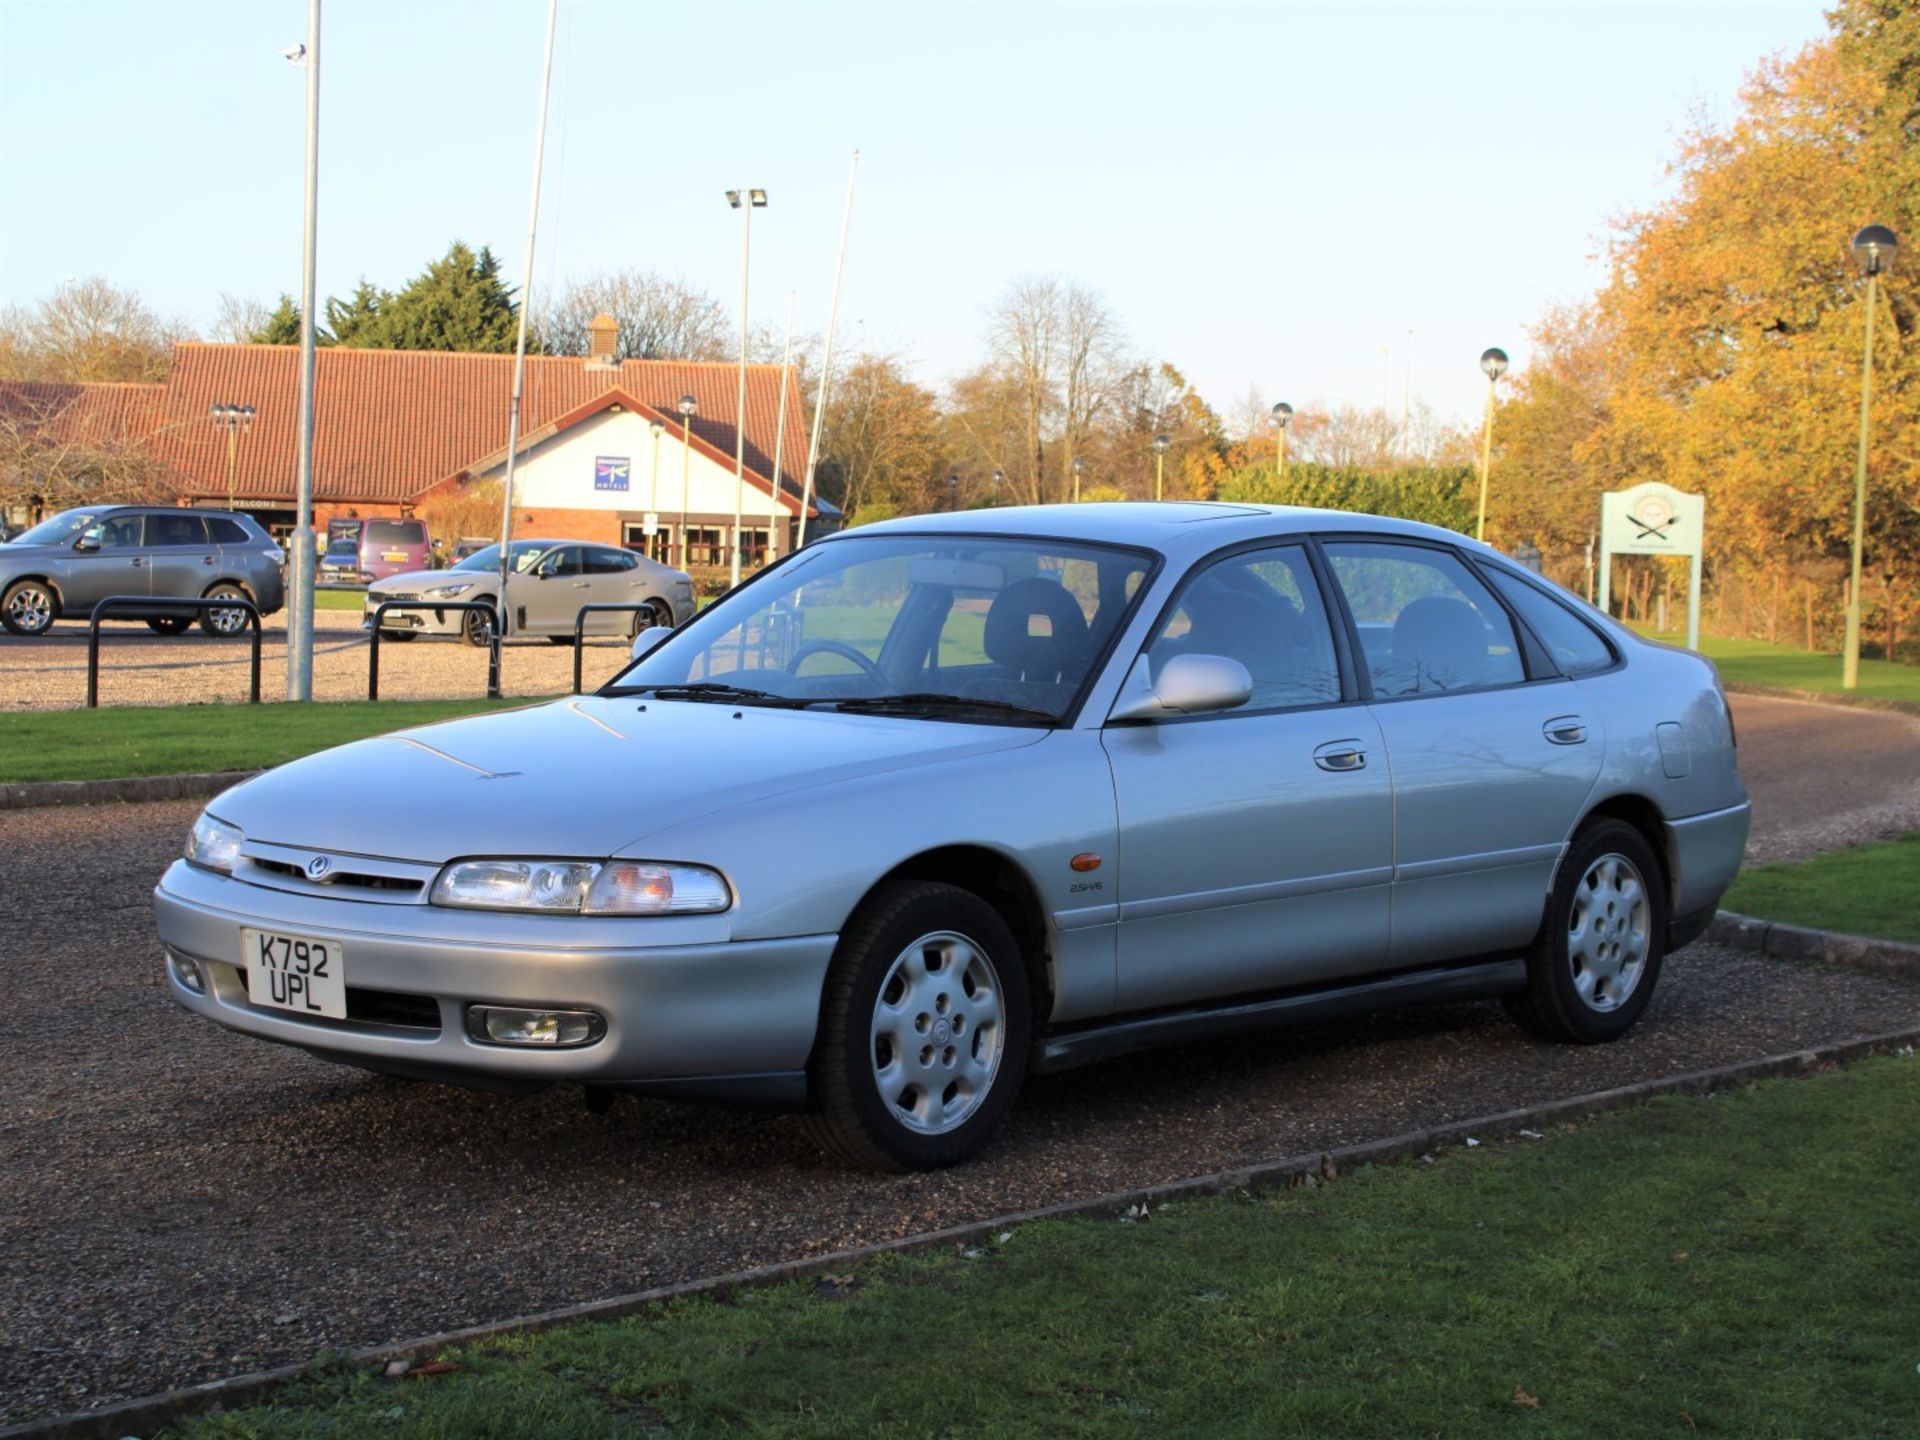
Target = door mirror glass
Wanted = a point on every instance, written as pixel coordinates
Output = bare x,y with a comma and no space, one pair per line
88,543
648,639
1186,684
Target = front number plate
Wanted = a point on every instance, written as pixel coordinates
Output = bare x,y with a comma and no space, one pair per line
295,972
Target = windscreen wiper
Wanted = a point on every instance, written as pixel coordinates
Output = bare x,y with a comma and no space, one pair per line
930,701
707,690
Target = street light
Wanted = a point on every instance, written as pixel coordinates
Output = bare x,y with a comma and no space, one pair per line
233,419
1282,414
1493,364
1161,444
746,202
1079,469
687,406
1874,247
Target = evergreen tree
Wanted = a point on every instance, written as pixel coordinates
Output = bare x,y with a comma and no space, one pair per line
358,321
458,303
282,327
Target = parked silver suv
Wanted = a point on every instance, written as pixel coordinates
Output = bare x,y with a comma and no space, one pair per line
70,562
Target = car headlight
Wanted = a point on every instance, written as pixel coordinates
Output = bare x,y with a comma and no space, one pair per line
448,592
613,887
213,844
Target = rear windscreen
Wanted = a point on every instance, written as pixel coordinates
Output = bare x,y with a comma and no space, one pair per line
396,532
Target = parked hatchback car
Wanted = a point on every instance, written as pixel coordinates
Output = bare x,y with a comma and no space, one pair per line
70,562
547,583
361,551
935,804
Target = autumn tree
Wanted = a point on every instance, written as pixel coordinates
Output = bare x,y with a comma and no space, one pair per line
87,330
657,318
881,440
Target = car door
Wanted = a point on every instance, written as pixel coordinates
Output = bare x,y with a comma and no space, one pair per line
1493,751
552,592
612,578
1256,843
108,558
184,561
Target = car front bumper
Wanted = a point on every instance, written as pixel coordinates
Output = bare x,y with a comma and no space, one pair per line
419,622
713,1015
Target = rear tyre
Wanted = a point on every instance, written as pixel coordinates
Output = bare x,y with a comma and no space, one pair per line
389,637
223,624
170,624
476,626
924,1030
658,614
560,639
1593,968
28,608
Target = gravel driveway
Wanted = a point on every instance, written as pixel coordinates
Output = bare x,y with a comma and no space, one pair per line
138,667
178,1202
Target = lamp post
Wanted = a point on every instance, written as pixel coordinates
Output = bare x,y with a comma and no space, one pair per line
1493,364
687,406
233,419
1162,443
1282,414
1079,470
1874,247
746,202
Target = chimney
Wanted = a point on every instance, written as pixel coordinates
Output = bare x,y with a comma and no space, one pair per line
603,333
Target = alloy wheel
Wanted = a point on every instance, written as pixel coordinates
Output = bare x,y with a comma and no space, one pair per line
30,608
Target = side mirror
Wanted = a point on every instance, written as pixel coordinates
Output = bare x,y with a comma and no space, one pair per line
648,640
86,545
1186,685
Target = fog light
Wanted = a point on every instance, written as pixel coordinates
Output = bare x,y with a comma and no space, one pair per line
550,1029
187,972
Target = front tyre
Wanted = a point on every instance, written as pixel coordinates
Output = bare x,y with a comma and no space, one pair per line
925,1028
28,608
476,626
1596,961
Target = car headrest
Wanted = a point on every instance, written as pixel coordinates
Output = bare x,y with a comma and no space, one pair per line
1440,643
1036,627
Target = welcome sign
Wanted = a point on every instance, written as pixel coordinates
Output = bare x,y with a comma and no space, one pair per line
611,472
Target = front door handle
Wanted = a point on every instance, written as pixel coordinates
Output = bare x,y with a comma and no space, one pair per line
136,562
1565,730
1340,755
206,559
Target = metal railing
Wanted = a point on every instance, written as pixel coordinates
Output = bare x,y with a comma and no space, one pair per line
645,607
145,607
493,648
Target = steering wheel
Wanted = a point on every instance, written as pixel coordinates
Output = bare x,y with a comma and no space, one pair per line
833,647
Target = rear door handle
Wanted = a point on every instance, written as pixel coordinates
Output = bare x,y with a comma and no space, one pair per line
137,561
206,559
1340,755
1565,730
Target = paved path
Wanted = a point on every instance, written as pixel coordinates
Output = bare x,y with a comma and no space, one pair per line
1823,776
178,1202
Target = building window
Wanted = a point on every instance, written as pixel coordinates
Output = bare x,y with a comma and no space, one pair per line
660,547
753,547
706,545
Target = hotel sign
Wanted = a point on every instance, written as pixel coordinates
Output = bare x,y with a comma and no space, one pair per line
611,472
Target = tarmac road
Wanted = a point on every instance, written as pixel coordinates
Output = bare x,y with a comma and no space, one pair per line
1823,776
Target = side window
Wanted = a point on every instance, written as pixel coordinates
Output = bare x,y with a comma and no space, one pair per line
225,531
176,529
122,532
1573,643
602,561
1427,625
564,561
1263,609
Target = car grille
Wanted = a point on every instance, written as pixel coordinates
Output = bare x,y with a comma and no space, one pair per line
366,878
347,879
386,595
392,1007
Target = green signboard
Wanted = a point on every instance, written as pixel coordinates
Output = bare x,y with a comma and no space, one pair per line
1654,519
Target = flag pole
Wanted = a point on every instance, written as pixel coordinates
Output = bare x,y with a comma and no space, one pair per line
826,351
520,342
780,431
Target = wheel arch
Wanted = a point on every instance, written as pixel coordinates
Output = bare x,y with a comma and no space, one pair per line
59,599
1003,883
234,580
1647,818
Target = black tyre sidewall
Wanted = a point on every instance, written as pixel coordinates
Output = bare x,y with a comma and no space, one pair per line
167,625
1550,977
843,1068
6,615
469,619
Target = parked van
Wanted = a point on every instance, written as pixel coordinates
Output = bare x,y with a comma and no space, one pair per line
361,551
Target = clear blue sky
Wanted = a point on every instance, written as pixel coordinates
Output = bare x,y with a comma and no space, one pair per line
1265,193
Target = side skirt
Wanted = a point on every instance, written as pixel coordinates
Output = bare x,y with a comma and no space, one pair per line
1067,1049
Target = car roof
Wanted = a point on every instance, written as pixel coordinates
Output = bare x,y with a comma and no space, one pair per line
1160,525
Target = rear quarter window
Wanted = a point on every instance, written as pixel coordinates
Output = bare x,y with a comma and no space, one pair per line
227,532
1575,645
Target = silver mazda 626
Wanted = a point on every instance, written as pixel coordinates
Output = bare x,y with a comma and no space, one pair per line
933,805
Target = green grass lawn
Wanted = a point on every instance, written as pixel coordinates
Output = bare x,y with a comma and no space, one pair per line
1740,1265
1865,890
177,739
1755,662
355,600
